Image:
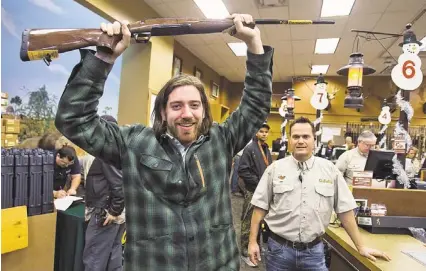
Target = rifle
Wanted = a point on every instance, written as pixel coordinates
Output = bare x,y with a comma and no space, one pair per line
47,44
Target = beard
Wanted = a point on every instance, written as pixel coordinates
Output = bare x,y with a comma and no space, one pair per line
185,135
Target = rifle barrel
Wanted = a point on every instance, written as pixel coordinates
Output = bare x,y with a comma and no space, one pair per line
278,21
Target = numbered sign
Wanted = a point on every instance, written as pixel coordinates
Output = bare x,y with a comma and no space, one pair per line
319,99
385,116
407,74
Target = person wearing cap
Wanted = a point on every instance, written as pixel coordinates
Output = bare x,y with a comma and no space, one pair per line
104,214
175,173
254,160
296,196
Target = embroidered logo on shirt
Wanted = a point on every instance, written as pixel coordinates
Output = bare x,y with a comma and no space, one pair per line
281,177
325,181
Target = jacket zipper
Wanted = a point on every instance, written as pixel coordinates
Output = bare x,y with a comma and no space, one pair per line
200,170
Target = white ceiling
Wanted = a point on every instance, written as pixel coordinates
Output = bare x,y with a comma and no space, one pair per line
294,45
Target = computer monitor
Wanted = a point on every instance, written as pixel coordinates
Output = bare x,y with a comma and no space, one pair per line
380,162
338,152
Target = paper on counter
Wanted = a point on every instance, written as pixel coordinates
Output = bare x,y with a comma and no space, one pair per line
64,203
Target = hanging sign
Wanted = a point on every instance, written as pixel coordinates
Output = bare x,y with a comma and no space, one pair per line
407,74
319,99
385,115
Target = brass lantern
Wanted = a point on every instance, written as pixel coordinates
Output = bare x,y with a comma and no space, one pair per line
355,71
290,98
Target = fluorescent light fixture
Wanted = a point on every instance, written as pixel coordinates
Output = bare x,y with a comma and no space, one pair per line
212,9
331,8
423,47
326,46
239,48
317,69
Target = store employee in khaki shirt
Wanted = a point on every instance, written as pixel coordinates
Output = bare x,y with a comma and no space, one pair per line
296,196
355,159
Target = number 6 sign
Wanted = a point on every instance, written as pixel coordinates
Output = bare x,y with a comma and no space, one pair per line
407,74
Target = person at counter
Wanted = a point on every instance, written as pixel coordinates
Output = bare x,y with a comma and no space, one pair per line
295,197
355,159
66,165
327,151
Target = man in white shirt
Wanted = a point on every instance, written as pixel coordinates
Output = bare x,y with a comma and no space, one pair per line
295,197
355,159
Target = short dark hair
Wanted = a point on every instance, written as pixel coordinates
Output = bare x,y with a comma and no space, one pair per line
67,152
303,120
160,125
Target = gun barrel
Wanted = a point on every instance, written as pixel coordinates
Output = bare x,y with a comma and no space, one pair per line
278,21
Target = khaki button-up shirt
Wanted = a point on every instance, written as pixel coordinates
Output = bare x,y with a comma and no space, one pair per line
300,211
349,162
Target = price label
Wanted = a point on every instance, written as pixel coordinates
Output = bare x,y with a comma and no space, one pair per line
362,178
399,145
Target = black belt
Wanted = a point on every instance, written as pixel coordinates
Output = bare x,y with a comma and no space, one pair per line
295,245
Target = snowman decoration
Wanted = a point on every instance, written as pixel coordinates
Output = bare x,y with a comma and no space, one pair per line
319,99
407,74
385,115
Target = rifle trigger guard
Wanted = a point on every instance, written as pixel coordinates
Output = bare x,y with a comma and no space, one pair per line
47,59
142,37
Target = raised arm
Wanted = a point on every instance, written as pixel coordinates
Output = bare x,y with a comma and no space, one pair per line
77,116
256,100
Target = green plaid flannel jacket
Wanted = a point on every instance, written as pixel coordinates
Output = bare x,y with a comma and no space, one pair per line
174,222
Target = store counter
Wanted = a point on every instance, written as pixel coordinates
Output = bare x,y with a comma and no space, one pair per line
70,232
344,255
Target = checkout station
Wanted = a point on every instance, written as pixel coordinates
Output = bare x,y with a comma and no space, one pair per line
391,220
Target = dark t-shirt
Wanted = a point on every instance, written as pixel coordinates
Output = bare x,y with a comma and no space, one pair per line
62,173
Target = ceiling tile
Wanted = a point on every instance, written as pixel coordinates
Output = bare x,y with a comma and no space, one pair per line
406,5
364,7
305,9
274,13
332,31
394,22
212,38
282,48
276,32
360,22
303,46
303,32
153,2
186,8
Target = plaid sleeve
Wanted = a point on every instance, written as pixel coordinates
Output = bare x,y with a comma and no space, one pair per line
77,116
255,104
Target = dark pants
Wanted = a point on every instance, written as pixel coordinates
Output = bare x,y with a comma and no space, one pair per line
234,178
103,250
281,257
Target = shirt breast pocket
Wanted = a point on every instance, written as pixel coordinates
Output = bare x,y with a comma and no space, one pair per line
282,192
324,201
155,172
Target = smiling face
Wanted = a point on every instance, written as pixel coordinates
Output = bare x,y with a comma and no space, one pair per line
184,114
411,48
303,141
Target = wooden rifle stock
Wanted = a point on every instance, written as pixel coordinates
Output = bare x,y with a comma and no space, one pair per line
47,44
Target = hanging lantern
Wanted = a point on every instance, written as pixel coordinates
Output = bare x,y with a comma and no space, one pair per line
355,71
290,98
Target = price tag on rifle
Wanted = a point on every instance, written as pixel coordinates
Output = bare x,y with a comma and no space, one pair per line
362,178
399,145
